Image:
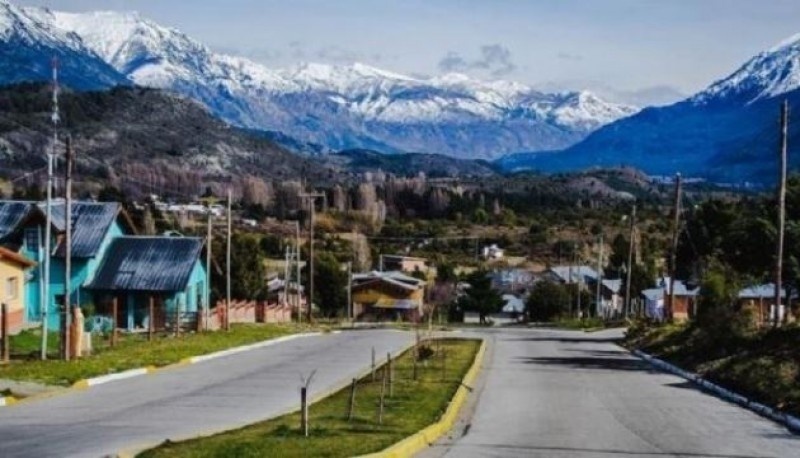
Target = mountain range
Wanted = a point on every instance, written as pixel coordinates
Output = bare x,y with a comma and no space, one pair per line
728,132
336,107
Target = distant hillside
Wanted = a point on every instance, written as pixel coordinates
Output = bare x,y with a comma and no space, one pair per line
411,164
139,134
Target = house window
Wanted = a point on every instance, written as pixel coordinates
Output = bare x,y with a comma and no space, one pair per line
12,286
32,239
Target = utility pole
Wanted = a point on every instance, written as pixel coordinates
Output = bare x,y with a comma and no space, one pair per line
630,262
676,222
599,277
349,290
286,271
312,208
297,267
781,210
228,267
67,310
208,265
45,302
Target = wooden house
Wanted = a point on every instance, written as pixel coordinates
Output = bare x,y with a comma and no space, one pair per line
388,296
13,268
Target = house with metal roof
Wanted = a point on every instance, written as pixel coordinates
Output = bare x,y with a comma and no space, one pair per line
164,276
387,295
94,225
760,299
572,274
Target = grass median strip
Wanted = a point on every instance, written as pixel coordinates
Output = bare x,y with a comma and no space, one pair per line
412,404
134,351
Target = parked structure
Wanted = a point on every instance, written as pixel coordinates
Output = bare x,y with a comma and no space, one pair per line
387,295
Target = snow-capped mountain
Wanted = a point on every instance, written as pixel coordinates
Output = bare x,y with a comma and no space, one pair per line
354,106
726,132
28,42
769,74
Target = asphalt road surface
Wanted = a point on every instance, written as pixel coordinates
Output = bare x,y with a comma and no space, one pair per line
549,393
207,397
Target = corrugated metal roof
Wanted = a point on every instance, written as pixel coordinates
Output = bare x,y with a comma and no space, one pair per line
90,222
12,214
760,291
573,274
153,264
655,294
397,304
613,285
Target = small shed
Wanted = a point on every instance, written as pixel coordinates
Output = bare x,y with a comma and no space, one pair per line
138,270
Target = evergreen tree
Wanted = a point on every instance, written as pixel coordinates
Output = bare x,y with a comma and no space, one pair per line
480,297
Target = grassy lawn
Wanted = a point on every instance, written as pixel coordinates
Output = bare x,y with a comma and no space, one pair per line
133,351
764,366
414,405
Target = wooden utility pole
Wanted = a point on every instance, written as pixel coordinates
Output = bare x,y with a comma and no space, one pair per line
350,312
598,309
312,209
676,222
781,210
630,262
5,352
286,270
66,314
297,267
228,266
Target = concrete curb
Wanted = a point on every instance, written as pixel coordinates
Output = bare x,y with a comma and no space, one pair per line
132,452
791,422
423,439
235,350
103,379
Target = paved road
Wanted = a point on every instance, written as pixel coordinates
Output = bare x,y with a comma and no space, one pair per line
203,398
555,394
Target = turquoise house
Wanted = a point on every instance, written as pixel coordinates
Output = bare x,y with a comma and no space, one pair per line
165,272
107,262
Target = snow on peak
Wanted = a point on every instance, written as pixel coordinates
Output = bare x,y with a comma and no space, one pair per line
768,74
335,105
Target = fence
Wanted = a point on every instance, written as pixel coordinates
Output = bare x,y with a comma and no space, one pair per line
250,312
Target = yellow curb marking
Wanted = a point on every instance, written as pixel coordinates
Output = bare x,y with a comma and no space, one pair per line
422,440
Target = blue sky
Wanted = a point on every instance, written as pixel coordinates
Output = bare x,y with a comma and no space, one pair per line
630,50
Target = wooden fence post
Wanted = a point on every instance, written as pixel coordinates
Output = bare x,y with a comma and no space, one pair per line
151,322
444,363
304,410
352,400
390,369
381,402
177,318
114,313
373,364
6,342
